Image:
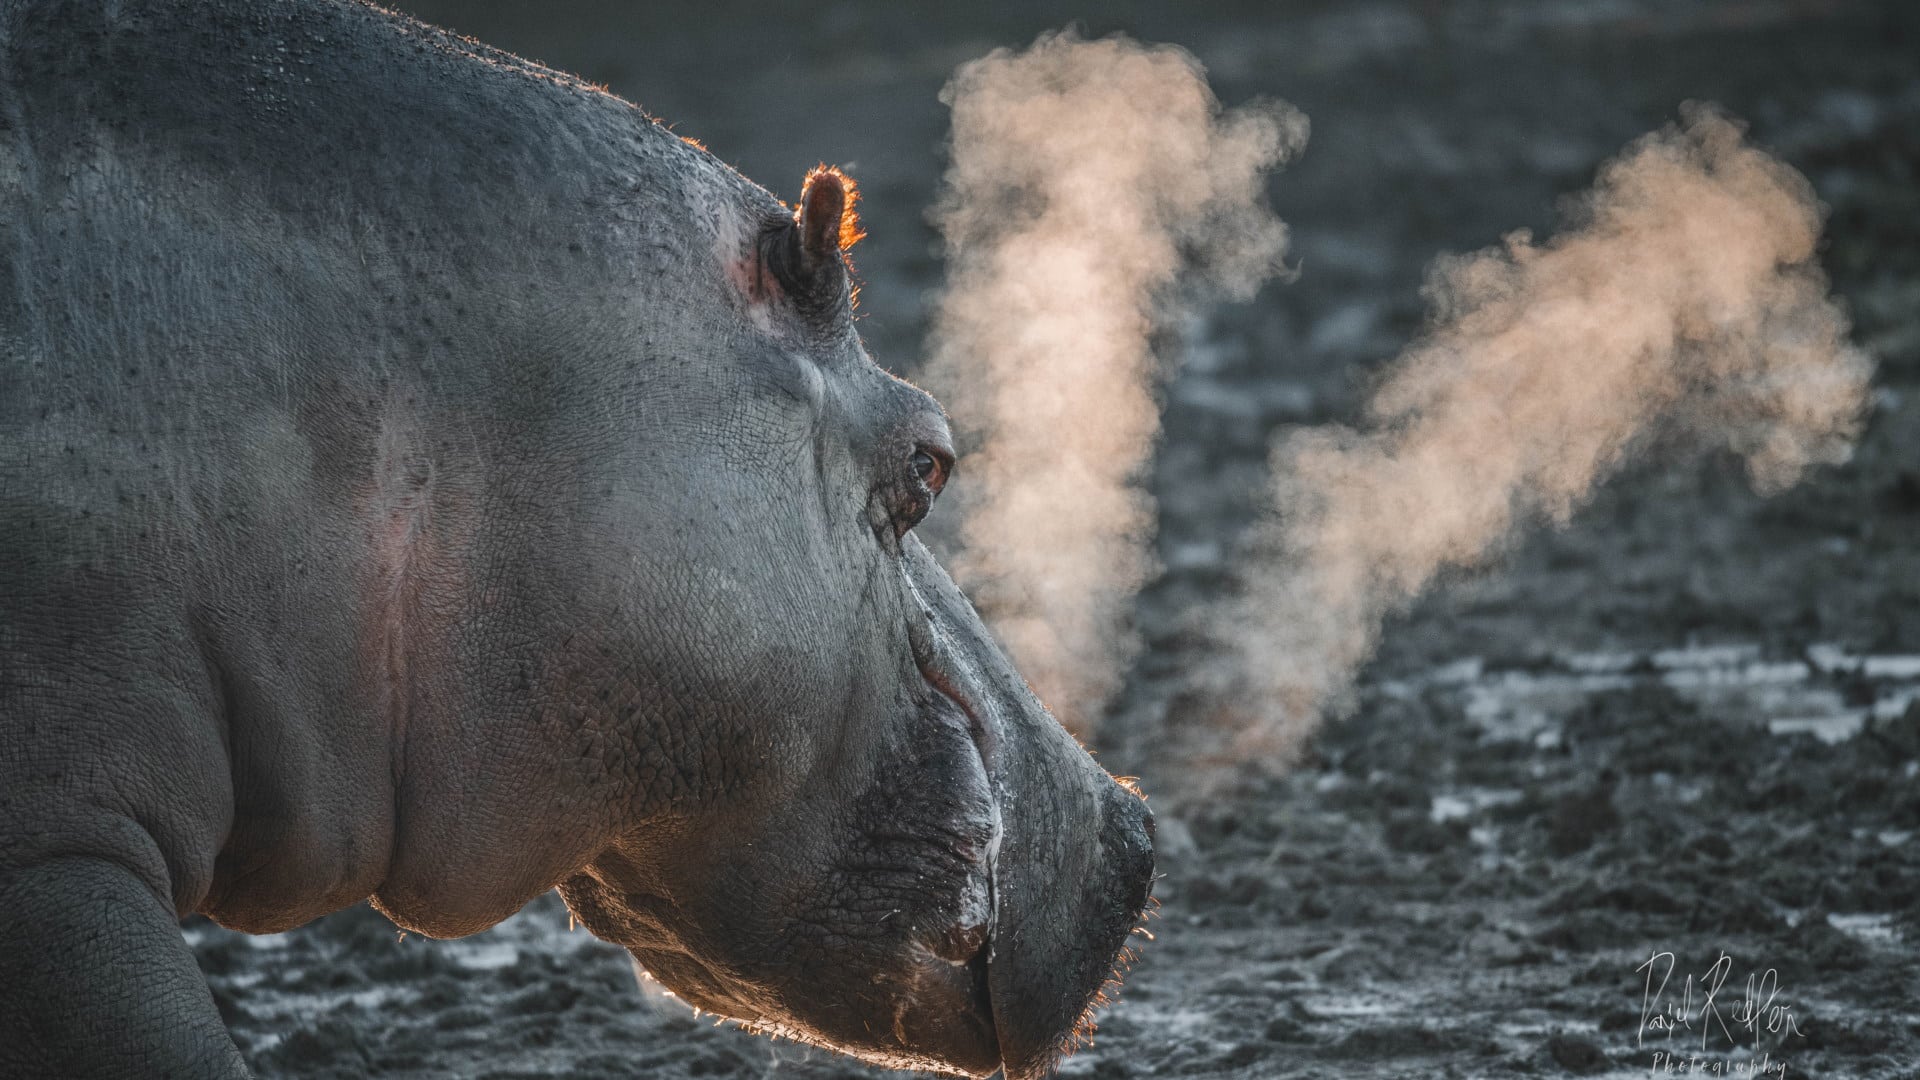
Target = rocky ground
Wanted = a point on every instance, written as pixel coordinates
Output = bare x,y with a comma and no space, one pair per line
1686,724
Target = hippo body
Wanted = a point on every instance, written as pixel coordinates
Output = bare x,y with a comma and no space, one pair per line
423,477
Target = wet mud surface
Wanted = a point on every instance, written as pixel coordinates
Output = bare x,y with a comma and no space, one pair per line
1685,724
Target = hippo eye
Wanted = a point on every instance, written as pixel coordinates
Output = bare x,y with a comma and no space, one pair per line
931,469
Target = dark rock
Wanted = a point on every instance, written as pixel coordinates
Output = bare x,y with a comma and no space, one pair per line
1575,1053
1576,819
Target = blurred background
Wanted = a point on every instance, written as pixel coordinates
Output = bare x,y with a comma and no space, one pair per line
1684,723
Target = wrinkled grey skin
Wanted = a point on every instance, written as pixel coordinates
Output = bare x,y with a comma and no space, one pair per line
423,477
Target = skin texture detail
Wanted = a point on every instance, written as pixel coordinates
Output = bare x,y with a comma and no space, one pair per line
426,478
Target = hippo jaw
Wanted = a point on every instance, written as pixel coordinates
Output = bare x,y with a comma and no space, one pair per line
964,999
1028,874
939,1017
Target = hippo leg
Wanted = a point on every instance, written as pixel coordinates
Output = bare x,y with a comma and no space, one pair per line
95,980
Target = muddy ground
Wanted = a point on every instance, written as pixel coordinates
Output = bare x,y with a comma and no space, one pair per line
1685,724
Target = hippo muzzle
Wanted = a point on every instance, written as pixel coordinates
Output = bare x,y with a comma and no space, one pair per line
1073,867
962,914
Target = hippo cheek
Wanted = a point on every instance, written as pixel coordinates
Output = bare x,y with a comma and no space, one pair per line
873,941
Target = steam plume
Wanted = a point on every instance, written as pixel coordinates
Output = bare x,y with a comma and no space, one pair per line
1684,303
1085,176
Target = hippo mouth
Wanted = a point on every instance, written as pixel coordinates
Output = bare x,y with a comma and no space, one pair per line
1023,1011
978,1013
1006,1022
962,937
956,1029
1036,1011
961,963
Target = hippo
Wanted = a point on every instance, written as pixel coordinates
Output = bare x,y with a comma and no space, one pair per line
428,479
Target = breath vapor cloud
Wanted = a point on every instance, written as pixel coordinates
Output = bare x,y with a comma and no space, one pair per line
1683,306
1095,189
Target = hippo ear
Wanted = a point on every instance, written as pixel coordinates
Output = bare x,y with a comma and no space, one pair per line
828,223
807,255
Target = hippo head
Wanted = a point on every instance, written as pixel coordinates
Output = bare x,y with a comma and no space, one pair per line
859,827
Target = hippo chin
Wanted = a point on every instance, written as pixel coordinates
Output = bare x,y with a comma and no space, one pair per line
426,478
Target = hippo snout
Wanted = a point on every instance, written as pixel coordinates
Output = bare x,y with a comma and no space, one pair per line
1073,862
1018,1000
1127,838
1061,936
